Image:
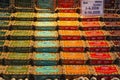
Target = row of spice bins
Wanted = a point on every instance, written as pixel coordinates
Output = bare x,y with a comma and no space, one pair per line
60,25
60,34
55,46
52,4
64,58
60,72
66,16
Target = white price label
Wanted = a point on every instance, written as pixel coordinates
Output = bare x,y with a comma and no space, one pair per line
92,7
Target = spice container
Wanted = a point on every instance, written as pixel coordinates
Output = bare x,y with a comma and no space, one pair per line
73,46
17,58
116,45
106,71
51,25
68,16
99,46
46,16
70,58
4,34
46,46
68,25
46,4
24,16
94,25
20,46
101,58
16,72
114,35
21,34
22,25
4,25
67,10
95,35
70,34
46,72
46,35
45,59
66,4
5,16
24,4
112,25
110,17
3,45
75,71
89,18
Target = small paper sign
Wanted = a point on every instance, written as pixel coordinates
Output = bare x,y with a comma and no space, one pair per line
92,7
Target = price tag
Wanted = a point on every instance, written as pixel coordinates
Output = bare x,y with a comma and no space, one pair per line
92,7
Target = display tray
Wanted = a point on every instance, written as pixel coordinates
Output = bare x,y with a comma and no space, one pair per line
94,25
89,18
70,58
22,25
45,35
70,34
68,25
4,34
73,46
110,17
74,71
46,16
3,45
106,71
99,46
95,35
114,35
51,25
116,45
46,46
24,16
21,35
4,25
17,72
20,46
17,58
68,16
101,58
66,10
112,25
2,69
45,59
5,16
47,72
